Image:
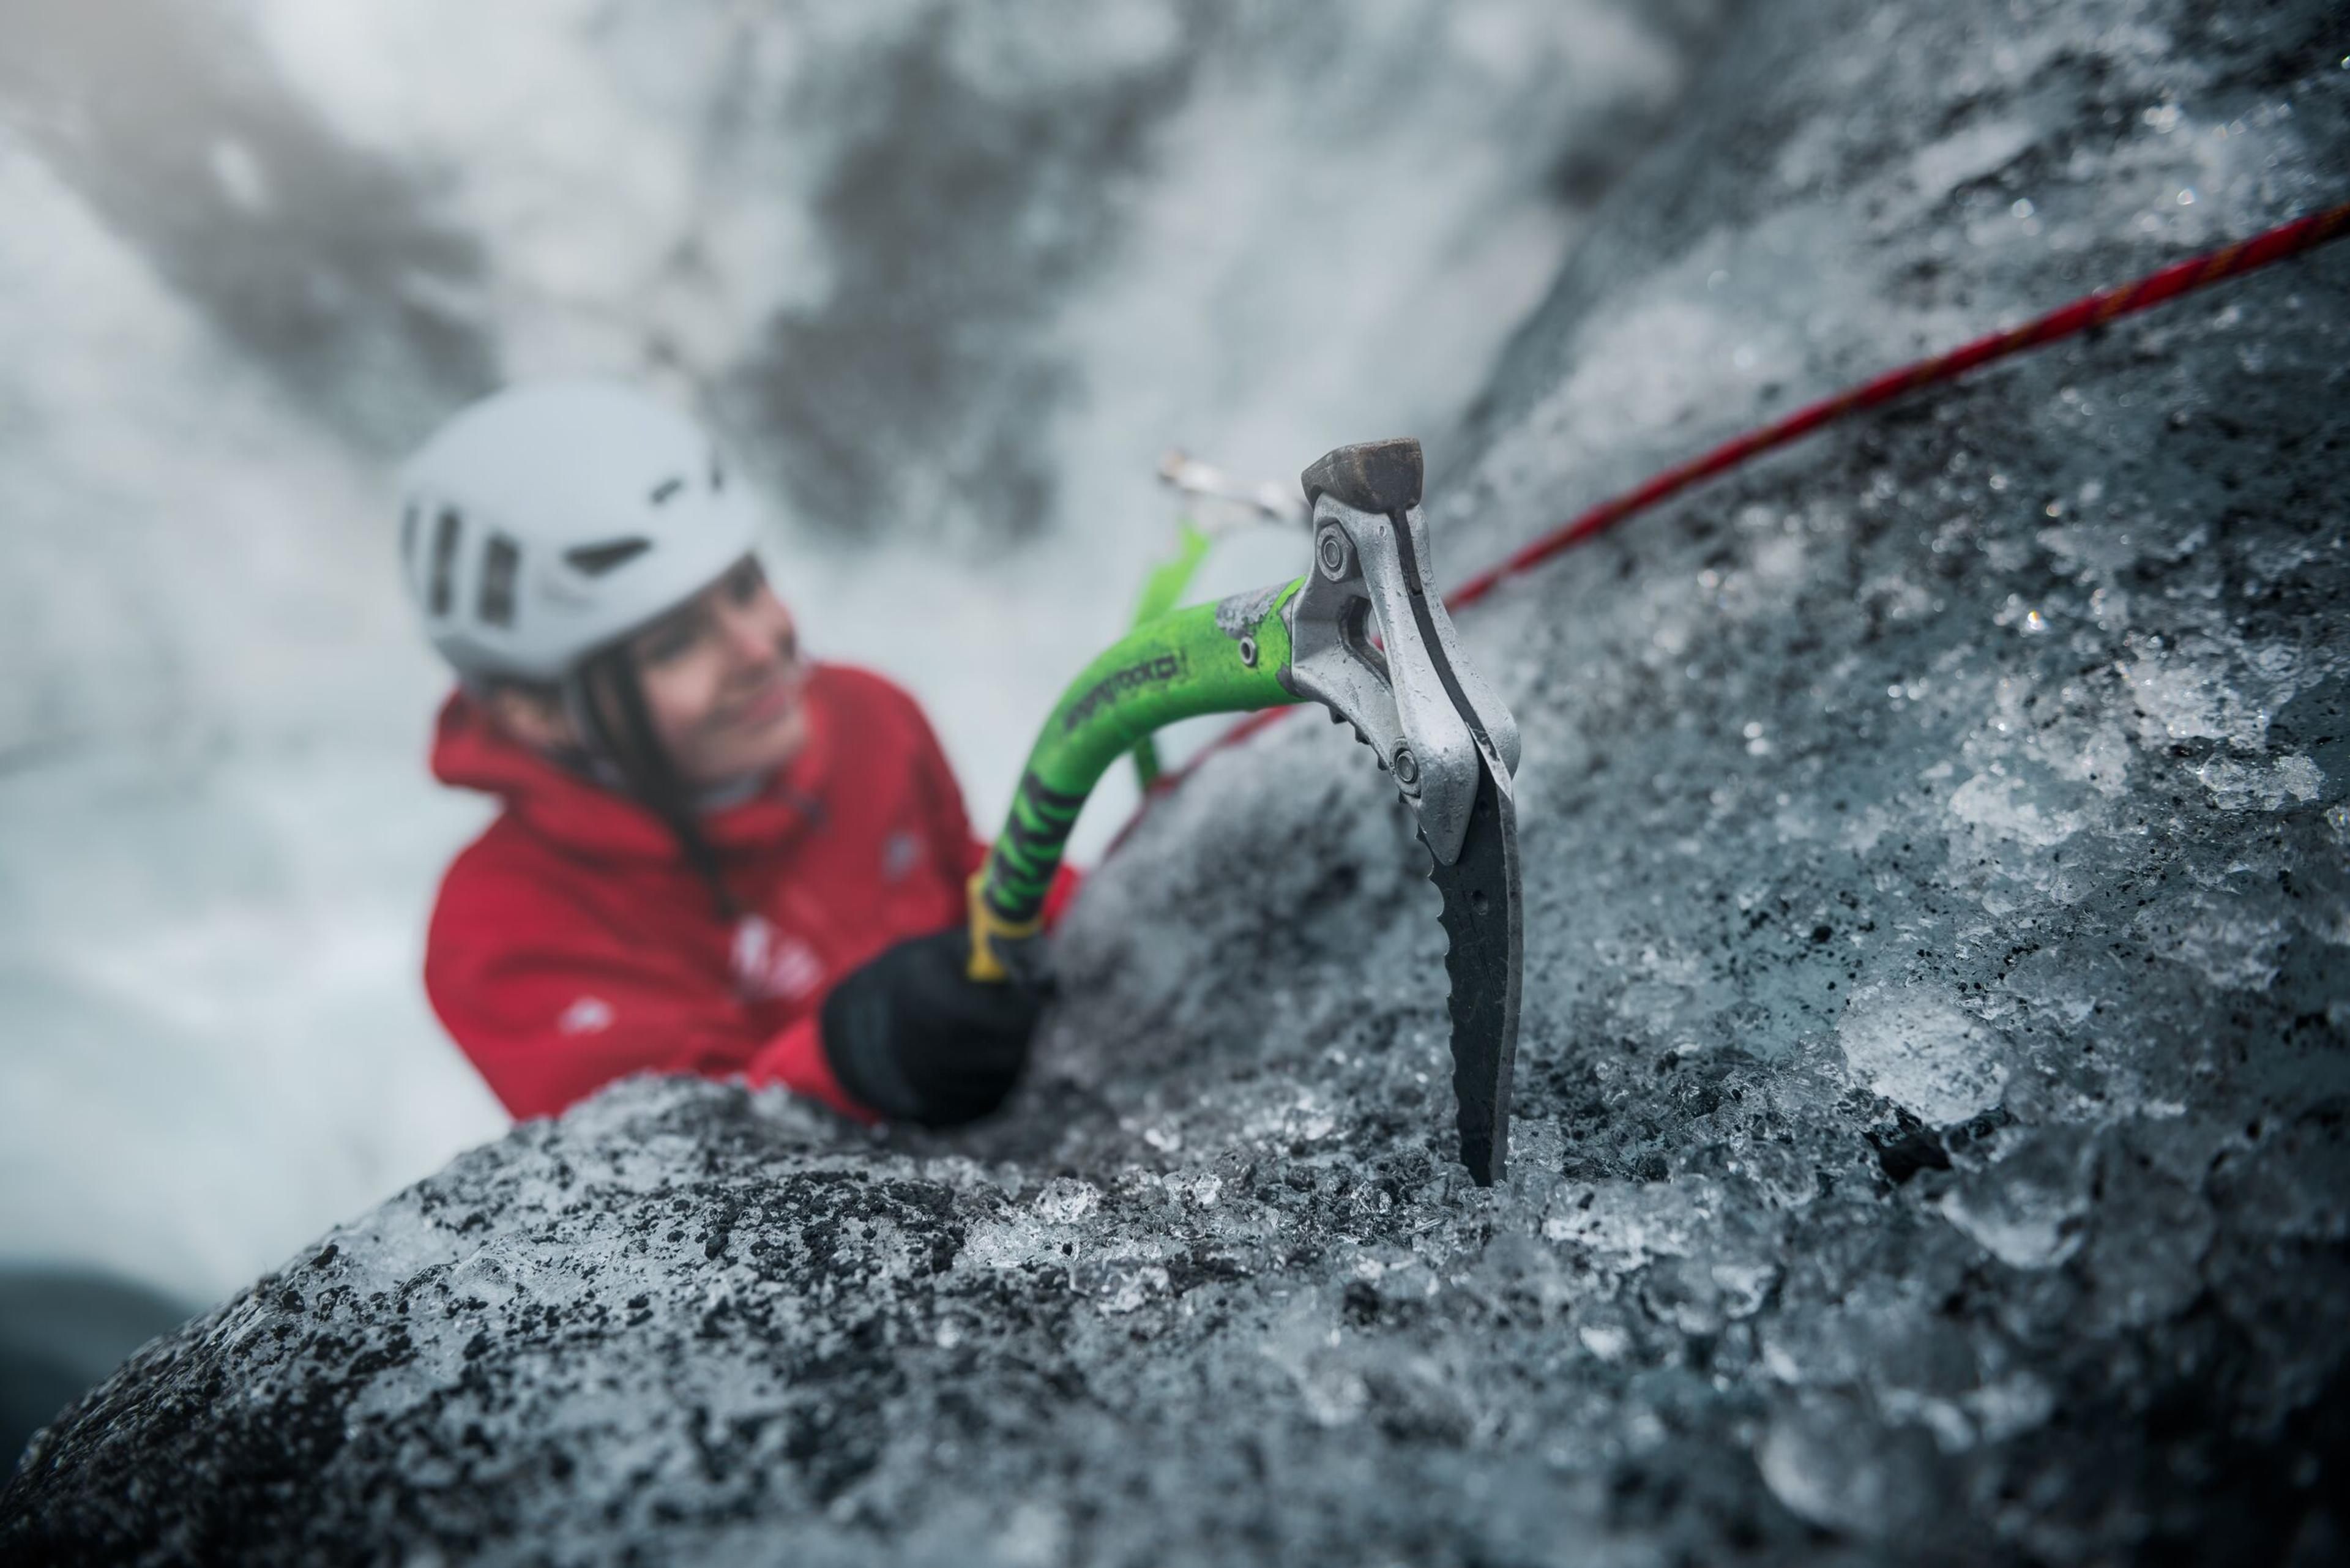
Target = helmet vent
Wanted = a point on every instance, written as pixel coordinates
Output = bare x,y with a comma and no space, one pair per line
499,559
446,530
667,488
597,559
717,474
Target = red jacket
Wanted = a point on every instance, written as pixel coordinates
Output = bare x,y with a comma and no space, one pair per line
573,945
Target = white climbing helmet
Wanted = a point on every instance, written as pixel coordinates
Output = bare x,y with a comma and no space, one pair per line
547,520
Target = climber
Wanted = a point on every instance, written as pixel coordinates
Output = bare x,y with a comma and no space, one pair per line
715,855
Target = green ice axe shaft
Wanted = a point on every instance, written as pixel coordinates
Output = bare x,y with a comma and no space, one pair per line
1224,658
1162,590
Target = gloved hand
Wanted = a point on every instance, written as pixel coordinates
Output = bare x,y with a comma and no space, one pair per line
910,1036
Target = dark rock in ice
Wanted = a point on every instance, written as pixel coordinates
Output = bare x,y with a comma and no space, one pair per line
1930,1116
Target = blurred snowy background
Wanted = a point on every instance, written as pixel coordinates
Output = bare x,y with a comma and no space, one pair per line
950,278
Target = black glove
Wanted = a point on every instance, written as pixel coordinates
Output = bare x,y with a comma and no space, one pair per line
913,1036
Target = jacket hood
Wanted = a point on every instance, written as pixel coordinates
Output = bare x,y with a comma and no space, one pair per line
586,817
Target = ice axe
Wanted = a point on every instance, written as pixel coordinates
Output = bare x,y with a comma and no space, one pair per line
1365,634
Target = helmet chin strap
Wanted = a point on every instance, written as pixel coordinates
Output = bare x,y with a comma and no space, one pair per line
605,697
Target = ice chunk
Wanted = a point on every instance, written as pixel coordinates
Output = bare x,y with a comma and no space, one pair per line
2207,689
1990,805
2027,1208
2241,786
1917,1050
2227,940
1830,1465
1066,1200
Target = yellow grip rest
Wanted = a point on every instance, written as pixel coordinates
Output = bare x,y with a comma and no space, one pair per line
987,929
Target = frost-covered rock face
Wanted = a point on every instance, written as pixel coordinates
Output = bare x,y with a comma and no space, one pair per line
1929,1107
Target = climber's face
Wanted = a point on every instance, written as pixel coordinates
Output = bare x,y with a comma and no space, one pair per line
723,680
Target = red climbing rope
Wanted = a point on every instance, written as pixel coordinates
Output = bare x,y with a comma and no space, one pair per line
2096,310
2186,276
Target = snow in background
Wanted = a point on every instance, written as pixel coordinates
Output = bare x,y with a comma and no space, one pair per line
249,252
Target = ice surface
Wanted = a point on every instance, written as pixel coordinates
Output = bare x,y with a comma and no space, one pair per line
1928,1108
